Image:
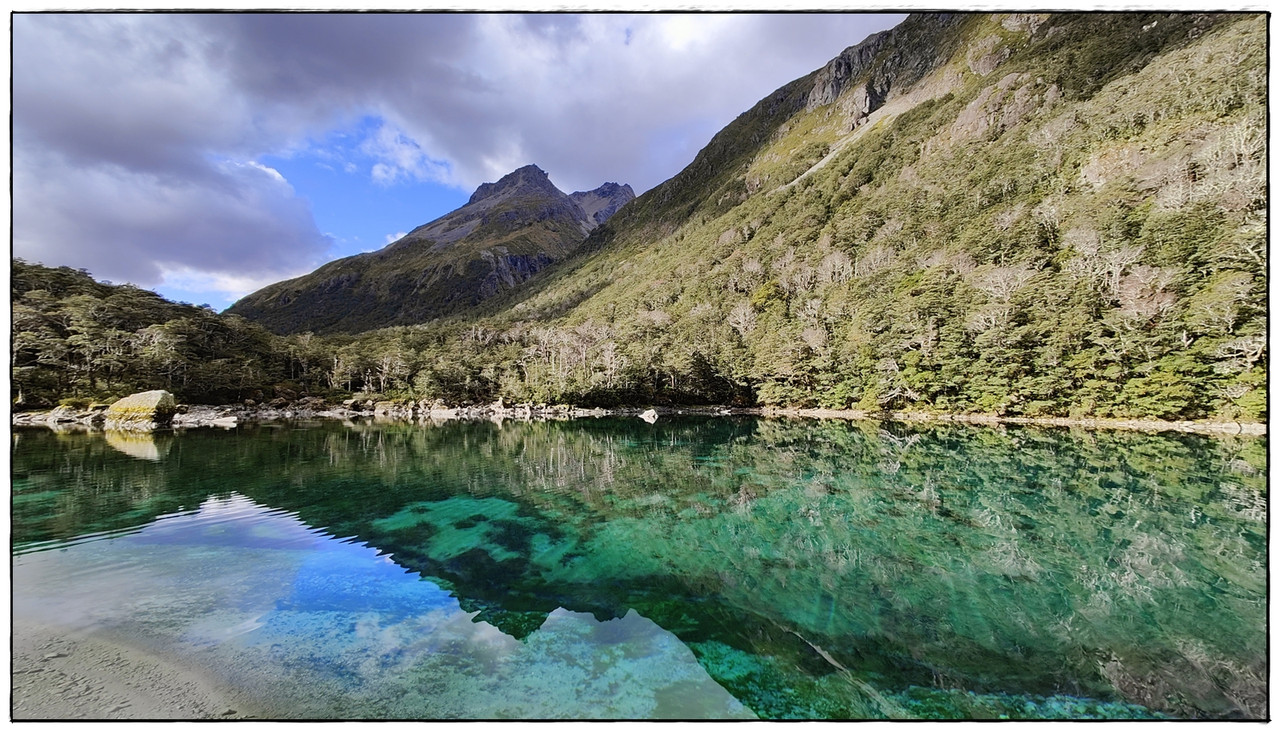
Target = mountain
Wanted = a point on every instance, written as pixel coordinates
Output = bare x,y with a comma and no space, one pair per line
1043,214
506,232
603,202
1033,215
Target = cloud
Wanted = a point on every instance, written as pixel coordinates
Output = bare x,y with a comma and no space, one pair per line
136,136
133,156
401,158
228,287
592,98
235,220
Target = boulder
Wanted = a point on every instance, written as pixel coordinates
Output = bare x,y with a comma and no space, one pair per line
649,416
144,410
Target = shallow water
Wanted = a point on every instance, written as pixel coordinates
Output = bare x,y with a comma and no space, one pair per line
694,568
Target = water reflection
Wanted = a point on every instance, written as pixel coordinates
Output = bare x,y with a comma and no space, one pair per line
141,445
814,569
333,629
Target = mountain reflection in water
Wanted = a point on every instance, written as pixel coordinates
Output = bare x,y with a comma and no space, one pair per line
691,568
331,629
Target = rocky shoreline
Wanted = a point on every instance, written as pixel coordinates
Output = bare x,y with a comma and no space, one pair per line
315,408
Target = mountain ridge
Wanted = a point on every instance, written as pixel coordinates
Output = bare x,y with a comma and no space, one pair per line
1047,215
1002,223
507,231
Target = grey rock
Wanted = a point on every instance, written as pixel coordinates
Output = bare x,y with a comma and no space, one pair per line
1027,22
602,203
530,176
63,414
884,62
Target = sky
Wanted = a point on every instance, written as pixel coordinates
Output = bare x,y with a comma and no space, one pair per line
204,156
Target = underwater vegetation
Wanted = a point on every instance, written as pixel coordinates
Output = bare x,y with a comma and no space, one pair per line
829,570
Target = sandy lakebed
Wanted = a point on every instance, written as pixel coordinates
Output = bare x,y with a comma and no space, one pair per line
68,674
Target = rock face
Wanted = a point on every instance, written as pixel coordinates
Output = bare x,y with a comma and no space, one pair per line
930,43
507,232
518,182
831,81
603,202
144,410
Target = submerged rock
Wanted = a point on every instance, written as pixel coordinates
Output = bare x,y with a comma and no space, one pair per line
142,411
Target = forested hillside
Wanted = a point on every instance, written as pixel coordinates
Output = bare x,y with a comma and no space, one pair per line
1042,215
79,340
1066,216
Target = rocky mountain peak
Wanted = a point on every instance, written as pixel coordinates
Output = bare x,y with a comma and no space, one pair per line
603,202
507,232
530,176
613,189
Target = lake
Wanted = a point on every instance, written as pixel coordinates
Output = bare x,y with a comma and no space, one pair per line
696,568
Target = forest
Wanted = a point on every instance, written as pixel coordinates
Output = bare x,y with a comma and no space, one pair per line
1080,233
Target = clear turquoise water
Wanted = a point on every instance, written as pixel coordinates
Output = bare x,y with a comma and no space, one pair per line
695,568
